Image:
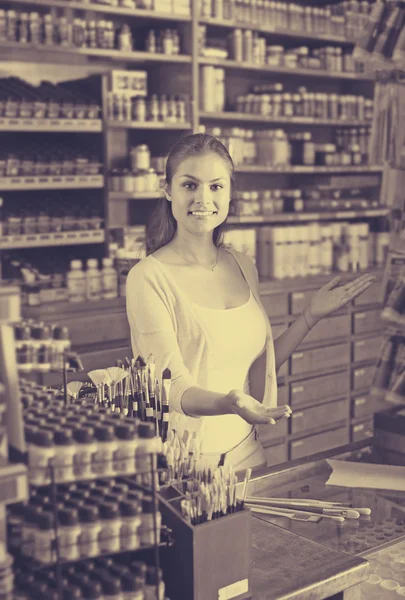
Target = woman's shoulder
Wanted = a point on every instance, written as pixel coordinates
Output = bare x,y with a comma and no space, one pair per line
144,269
243,259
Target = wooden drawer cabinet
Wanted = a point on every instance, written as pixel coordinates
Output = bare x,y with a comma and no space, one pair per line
299,300
363,406
328,329
368,349
372,295
276,305
313,418
276,454
319,442
367,321
319,358
267,433
362,377
362,431
317,389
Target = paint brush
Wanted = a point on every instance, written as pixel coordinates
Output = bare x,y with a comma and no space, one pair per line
166,384
293,516
289,511
347,513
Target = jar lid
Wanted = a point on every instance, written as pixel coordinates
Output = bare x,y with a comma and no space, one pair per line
147,504
140,148
109,510
110,586
84,435
275,49
45,521
139,568
43,438
68,517
105,433
129,509
60,332
153,575
63,437
146,430
129,583
72,592
88,514
91,590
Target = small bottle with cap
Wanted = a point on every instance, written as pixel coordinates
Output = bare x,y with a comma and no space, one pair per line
76,282
109,279
44,550
86,447
65,450
154,578
41,453
148,444
102,462
68,533
93,280
61,344
130,524
147,529
133,587
90,529
110,526
124,455
29,530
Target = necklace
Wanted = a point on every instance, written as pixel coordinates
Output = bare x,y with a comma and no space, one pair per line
194,262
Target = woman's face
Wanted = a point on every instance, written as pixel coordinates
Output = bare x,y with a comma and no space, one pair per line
200,193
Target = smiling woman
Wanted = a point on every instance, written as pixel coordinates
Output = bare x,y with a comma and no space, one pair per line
195,305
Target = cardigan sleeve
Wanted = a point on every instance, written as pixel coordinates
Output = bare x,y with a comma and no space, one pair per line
153,331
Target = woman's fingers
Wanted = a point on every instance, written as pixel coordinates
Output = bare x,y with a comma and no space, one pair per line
333,283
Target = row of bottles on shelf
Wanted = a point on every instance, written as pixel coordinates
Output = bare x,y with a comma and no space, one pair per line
271,100
29,219
343,19
142,176
269,202
19,99
41,346
158,108
94,283
98,579
281,252
36,159
50,30
277,148
246,46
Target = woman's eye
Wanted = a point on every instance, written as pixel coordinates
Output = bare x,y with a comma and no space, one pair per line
189,186
215,187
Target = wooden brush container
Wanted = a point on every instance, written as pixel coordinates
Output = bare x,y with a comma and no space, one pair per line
210,561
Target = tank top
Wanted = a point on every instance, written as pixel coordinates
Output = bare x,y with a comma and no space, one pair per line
239,336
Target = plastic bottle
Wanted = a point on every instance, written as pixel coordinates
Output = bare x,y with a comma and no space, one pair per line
86,447
132,587
146,532
76,282
65,450
68,533
109,535
154,577
91,590
148,445
60,345
44,551
28,531
93,280
130,525
41,452
124,455
109,280
102,463
90,529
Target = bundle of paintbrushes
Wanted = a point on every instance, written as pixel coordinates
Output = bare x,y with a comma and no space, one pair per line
305,510
212,495
131,387
182,455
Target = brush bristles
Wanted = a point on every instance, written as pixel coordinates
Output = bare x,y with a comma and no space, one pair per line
167,374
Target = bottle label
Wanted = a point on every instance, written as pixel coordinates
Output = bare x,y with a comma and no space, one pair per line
93,287
77,290
110,286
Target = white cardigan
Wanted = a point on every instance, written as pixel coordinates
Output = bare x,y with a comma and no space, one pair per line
163,322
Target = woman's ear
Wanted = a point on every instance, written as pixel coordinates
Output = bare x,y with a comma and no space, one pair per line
167,193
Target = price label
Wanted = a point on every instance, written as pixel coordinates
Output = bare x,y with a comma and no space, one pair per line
346,215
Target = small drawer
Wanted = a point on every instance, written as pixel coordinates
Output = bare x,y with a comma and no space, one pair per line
299,300
362,431
329,328
282,395
362,377
368,349
362,406
317,389
313,418
367,321
319,443
276,305
267,433
328,357
372,295
277,454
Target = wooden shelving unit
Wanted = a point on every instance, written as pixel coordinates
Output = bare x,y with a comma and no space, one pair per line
46,240
175,75
59,182
52,125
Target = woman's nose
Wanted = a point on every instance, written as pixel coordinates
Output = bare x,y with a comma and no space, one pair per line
203,194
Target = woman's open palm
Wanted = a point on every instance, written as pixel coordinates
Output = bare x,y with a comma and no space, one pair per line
253,411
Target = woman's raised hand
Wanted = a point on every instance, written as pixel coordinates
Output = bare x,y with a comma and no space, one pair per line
253,411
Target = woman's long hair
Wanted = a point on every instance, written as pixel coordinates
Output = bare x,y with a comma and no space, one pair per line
162,225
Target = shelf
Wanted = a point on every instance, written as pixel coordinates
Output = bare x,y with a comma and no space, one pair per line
298,72
13,483
135,195
128,57
248,118
42,240
65,125
59,182
319,216
310,170
108,10
292,34
148,125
